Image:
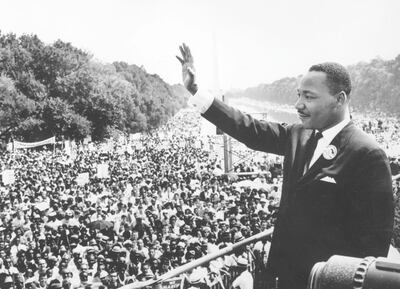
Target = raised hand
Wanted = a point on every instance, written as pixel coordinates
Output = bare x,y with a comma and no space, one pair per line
188,71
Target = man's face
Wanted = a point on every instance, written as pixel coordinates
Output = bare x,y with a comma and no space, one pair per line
109,245
91,259
316,106
140,244
146,268
7,263
42,265
42,280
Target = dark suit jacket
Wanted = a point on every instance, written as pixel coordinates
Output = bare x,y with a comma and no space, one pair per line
317,219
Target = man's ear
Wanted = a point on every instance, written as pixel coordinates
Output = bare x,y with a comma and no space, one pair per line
341,98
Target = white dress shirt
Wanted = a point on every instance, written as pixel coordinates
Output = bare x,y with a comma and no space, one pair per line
327,136
202,100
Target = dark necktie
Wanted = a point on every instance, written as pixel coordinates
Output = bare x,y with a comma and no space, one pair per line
311,145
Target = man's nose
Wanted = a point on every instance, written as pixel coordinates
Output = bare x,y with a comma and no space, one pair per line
299,105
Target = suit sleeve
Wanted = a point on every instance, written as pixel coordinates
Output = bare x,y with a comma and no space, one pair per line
258,135
371,207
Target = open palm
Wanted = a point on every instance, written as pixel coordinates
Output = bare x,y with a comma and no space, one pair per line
188,71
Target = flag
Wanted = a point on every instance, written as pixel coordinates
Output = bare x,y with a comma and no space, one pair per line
27,145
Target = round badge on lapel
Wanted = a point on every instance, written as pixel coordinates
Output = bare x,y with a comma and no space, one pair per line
330,152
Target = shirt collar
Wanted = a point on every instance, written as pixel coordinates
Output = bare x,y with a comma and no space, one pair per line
330,133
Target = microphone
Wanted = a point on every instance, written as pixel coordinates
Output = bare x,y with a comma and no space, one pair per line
341,272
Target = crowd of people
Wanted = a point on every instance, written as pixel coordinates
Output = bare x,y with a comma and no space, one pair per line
162,203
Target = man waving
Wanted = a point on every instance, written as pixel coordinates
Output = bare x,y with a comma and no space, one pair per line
336,194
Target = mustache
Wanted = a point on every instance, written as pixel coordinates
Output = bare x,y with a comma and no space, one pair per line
301,112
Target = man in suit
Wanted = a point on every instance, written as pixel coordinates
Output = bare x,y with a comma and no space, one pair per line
336,194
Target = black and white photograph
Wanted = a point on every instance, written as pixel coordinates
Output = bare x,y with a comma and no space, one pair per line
200,144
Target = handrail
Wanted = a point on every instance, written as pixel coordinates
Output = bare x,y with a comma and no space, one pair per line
198,262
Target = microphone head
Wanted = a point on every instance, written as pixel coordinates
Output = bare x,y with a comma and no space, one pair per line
339,272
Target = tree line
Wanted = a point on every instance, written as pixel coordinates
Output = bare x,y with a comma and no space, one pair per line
59,90
376,87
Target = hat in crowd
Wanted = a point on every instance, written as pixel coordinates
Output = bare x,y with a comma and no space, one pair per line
117,249
128,243
238,237
105,238
206,229
242,262
91,251
65,271
53,258
74,239
109,260
55,285
103,274
139,254
181,244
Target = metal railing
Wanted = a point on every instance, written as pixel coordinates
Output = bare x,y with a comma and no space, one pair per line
167,280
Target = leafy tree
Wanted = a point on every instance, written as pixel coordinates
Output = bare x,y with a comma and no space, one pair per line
17,112
376,87
58,89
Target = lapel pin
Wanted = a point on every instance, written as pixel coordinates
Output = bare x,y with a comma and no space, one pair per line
330,152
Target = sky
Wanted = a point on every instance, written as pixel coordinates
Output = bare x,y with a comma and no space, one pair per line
235,44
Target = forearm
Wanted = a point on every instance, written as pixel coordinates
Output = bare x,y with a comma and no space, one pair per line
259,135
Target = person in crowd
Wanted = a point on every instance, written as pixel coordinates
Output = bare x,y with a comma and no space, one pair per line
245,279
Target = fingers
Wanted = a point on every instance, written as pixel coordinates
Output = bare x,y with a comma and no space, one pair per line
180,60
186,54
182,49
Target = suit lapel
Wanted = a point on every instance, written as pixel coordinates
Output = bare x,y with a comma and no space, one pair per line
339,141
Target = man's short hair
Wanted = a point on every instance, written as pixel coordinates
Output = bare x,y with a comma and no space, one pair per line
337,77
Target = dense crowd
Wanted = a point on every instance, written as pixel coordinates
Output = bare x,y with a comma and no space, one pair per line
164,203
386,131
